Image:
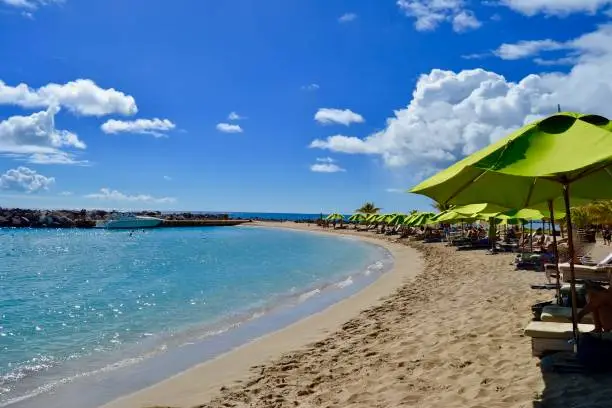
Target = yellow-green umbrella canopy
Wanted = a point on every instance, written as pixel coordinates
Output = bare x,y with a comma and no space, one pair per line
358,217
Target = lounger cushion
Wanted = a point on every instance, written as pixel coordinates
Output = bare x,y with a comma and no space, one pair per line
560,314
553,330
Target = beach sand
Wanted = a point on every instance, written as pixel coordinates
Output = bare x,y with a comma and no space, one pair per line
449,337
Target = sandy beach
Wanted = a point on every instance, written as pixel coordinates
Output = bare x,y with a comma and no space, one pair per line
443,329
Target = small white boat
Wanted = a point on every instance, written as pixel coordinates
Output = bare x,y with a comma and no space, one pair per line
129,221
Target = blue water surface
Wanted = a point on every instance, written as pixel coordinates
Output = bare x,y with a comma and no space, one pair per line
73,301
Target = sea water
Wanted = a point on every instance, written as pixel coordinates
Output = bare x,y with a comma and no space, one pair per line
76,304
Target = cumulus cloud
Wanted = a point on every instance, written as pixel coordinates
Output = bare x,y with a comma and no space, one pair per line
326,165
465,21
82,97
228,128
429,14
326,168
347,17
310,87
235,116
556,7
155,127
453,114
114,195
327,116
524,49
36,138
25,179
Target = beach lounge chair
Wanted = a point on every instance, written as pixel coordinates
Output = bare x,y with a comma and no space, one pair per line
601,272
551,337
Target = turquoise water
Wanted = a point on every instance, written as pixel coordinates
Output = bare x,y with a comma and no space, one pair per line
77,301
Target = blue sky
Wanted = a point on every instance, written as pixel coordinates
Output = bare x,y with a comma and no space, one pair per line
143,91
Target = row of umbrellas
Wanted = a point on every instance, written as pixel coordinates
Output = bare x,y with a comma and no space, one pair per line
465,213
548,164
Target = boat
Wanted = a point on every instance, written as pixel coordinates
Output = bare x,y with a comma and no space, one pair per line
128,221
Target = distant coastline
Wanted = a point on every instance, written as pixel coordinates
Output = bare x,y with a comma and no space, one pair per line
36,218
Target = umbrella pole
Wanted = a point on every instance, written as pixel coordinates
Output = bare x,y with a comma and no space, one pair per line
530,237
555,250
570,244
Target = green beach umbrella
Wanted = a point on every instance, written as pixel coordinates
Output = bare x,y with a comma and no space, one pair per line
527,214
565,156
483,208
421,219
408,220
397,219
357,217
546,156
335,217
371,218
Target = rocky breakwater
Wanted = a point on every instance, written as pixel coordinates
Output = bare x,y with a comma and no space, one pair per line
23,218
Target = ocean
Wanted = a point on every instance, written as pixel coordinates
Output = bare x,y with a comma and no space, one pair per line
81,307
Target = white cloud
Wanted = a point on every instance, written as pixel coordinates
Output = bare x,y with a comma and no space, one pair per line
235,116
453,114
66,193
167,178
429,14
325,160
29,4
154,127
556,7
465,21
114,195
344,117
25,179
228,128
326,168
396,190
588,45
58,157
557,61
347,17
82,97
36,138
310,87
19,3
524,49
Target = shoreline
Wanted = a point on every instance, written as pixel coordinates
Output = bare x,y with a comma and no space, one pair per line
207,379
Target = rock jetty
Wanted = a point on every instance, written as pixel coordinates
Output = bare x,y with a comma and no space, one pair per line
27,218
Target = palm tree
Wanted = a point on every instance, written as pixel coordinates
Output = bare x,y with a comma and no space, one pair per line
368,208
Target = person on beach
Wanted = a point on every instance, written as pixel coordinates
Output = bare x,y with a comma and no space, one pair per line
595,351
607,236
599,303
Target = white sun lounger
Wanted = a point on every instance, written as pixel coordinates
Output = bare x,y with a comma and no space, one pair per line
602,272
547,337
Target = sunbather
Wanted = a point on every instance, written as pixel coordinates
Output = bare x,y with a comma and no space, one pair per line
599,303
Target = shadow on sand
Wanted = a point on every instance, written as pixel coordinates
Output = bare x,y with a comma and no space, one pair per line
574,389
